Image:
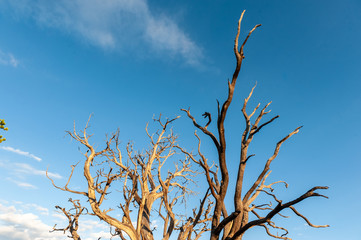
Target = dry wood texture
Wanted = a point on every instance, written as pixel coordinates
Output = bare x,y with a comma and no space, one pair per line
146,188
233,225
149,190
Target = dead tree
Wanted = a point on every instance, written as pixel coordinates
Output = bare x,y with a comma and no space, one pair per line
233,225
146,189
72,215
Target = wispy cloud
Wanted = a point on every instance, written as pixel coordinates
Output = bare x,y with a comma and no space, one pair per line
20,152
21,184
112,24
25,185
19,172
8,59
27,169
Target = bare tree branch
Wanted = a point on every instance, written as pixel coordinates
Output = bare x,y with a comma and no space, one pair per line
152,188
279,208
73,219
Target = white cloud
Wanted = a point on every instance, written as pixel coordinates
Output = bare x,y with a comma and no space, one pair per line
20,152
16,225
96,235
18,173
8,59
59,216
38,208
112,24
164,34
92,229
31,206
90,224
23,221
22,184
25,185
27,169
3,201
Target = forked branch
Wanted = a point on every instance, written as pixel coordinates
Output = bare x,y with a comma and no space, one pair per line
73,219
280,206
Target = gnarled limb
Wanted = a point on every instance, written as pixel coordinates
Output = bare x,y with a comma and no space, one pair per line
280,206
234,225
72,215
141,181
195,226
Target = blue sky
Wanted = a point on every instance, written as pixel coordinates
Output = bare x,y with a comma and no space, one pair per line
124,61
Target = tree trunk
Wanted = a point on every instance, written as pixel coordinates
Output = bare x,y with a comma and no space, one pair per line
146,230
238,223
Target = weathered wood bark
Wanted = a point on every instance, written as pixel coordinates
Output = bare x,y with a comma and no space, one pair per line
143,184
148,190
73,219
234,225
